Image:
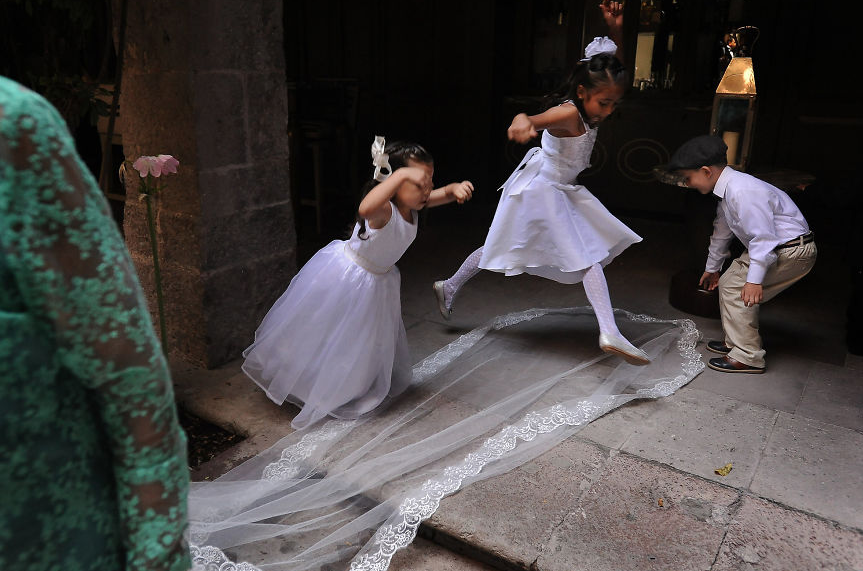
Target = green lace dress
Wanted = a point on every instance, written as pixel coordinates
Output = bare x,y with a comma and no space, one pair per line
93,470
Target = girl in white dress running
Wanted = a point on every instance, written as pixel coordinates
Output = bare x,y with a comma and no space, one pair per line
334,343
545,224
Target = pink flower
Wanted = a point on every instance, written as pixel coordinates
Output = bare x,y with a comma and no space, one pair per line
144,164
155,165
169,164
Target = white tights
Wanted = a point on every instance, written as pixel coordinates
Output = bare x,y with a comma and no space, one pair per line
469,268
594,283
596,289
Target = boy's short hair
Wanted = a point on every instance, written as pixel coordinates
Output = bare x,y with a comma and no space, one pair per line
702,151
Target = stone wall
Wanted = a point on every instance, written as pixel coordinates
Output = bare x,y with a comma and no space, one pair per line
205,81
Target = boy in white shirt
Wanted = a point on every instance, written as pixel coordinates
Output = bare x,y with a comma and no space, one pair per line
780,248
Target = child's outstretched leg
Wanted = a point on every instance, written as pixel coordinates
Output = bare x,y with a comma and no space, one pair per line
446,290
610,339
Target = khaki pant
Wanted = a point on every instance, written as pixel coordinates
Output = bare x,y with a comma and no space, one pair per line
740,323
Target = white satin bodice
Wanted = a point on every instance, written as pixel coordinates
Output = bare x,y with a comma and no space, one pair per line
381,248
563,158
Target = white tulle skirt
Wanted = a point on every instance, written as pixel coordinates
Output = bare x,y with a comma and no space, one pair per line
334,343
552,230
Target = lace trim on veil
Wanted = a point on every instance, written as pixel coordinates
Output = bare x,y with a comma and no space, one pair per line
414,510
288,465
401,528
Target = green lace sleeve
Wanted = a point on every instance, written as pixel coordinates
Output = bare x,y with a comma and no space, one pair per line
73,276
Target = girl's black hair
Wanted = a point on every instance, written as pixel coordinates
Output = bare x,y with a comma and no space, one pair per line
400,152
601,69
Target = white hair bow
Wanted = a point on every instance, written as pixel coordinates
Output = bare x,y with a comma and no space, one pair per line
603,45
380,159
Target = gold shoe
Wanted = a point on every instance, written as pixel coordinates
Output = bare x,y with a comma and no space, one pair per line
441,300
620,346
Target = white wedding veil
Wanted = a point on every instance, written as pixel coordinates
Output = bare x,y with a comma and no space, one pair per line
347,494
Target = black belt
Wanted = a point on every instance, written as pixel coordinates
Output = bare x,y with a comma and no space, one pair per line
798,241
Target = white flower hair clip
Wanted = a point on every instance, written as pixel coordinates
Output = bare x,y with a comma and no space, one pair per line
603,45
380,159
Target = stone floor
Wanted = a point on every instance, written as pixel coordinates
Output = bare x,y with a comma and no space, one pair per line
636,489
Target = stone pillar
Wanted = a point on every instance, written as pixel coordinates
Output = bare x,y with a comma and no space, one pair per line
204,81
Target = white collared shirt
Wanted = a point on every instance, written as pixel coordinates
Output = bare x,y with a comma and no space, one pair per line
759,214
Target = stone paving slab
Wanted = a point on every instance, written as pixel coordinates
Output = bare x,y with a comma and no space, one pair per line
767,537
786,332
426,337
615,428
638,515
511,516
697,431
815,467
833,395
780,388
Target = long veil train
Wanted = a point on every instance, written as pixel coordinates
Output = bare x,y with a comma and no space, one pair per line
348,494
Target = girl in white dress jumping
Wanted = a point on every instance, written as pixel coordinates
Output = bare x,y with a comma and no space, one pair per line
545,224
334,343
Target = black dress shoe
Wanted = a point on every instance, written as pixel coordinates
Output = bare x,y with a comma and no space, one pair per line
718,347
728,365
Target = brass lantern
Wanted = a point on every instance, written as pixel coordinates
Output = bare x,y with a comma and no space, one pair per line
734,105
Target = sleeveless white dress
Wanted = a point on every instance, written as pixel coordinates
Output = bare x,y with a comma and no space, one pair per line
334,343
547,226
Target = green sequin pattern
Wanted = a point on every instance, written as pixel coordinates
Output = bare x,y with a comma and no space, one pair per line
93,472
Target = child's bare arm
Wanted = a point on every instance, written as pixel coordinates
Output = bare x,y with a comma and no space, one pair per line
459,192
375,206
562,120
612,13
